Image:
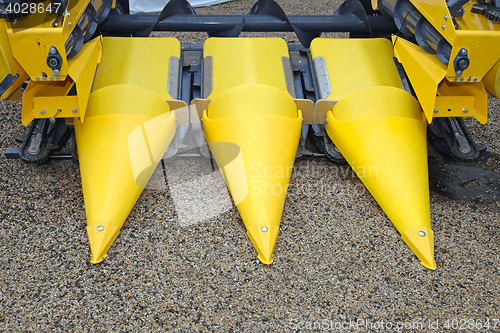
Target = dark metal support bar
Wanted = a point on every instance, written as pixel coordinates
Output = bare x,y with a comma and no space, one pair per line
380,25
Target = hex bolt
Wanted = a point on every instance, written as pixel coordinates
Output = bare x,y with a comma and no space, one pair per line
463,51
443,26
51,78
42,112
56,71
469,79
459,73
446,17
100,228
461,79
52,50
68,14
70,23
465,110
436,110
421,233
264,229
455,79
475,79
463,64
74,110
38,78
58,78
53,63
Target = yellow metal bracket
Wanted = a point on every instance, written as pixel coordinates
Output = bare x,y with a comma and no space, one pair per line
50,99
439,97
32,37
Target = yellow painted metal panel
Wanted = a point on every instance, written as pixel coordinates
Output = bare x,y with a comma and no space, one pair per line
372,59
239,61
146,61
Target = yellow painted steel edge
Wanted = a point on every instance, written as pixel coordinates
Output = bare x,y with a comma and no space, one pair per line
8,64
437,96
49,99
32,36
437,13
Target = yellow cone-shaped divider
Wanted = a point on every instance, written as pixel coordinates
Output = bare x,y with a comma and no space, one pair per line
492,80
127,128
380,130
389,155
252,126
118,154
264,126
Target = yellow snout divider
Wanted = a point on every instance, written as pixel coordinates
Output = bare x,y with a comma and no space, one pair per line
381,127
127,128
252,109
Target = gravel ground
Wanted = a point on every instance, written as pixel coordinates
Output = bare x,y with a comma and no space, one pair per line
338,258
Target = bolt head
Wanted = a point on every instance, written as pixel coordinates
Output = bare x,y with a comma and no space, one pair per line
38,78
475,79
465,110
421,233
463,64
74,110
42,112
70,23
446,17
56,72
52,50
51,78
264,229
100,228
463,51
455,79
443,26
459,73
436,111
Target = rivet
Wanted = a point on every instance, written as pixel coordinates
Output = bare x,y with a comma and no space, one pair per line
100,228
264,229
443,26
74,110
421,233
465,110
42,112
436,110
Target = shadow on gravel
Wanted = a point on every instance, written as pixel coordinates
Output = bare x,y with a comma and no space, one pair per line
464,181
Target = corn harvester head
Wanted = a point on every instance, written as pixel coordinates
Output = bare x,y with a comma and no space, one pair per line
408,74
